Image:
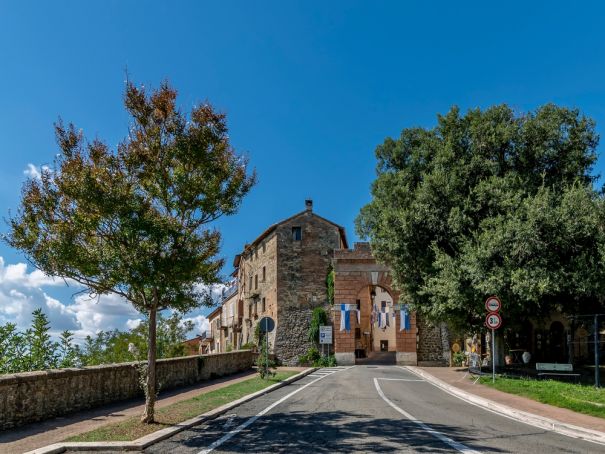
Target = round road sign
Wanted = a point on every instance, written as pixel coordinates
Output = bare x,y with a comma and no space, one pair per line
267,324
493,304
493,320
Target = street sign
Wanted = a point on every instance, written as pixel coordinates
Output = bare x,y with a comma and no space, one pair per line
493,320
493,304
325,334
266,325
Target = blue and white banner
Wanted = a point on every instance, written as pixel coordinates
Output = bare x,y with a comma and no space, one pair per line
404,318
345,322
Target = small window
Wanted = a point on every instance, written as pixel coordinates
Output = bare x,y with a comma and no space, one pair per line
256,282
358,305
264,274
255,253
250,282
264,247
383,304
357,333
296,233
250,310
264,306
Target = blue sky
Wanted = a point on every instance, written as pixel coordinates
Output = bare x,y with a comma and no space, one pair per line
309,89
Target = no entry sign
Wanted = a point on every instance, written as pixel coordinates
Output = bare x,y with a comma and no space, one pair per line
493,320
493,304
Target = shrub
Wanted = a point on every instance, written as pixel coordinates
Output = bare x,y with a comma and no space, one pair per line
264,362
319,317
458,358
310,357
325,361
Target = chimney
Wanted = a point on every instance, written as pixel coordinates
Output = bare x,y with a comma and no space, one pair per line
309,204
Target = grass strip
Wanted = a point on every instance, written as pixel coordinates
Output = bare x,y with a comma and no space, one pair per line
580,398
131,428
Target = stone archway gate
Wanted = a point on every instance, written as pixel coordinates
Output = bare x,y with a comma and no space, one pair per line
356,269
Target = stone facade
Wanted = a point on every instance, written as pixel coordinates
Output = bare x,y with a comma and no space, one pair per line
302,268
257,278
433,345
36,396
282,274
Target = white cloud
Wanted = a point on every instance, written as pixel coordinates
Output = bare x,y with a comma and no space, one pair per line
133,323
200,323
35,172
17,275
21,292
104,313
216,291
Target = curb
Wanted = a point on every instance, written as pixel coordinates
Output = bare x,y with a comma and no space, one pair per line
141,443
531,419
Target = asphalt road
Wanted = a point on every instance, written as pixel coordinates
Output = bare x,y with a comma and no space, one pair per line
366,409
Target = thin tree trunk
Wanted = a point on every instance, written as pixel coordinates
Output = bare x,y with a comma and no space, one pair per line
149,413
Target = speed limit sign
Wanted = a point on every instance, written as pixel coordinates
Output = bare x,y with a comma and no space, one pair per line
493,320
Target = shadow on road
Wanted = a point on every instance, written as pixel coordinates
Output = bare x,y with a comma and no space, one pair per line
328,432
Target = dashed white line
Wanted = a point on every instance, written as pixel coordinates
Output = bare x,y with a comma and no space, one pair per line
400,379
454,444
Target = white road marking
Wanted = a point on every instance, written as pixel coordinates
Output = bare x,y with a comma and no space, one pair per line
230,421
454,444
400,379
250,421
504,415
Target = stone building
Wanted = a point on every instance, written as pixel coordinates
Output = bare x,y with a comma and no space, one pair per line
282,274
211,338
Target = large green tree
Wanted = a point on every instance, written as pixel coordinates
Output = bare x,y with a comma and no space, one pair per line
491,202
135,221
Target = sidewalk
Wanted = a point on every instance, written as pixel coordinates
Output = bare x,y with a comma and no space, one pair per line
54,430
456,377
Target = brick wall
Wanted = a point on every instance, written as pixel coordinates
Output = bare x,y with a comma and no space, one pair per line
36,396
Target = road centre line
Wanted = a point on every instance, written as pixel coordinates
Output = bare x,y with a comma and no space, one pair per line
399,379
452,443
251,420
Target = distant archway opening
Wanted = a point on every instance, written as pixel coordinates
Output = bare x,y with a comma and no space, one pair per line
375,338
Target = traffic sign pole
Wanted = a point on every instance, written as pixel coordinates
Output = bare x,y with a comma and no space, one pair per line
493,356
493,321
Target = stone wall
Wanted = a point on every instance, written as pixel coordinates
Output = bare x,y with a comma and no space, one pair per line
36,396
302,268
291,336
431,344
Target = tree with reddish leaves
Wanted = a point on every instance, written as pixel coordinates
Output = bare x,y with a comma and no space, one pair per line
135,221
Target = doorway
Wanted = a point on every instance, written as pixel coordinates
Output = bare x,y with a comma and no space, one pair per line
384,345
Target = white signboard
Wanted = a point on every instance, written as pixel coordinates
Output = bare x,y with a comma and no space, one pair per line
325,334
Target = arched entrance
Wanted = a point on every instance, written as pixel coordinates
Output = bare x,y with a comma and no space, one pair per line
376,338
361,286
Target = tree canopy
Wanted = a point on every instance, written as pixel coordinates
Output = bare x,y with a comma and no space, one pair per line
491,202
134,221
